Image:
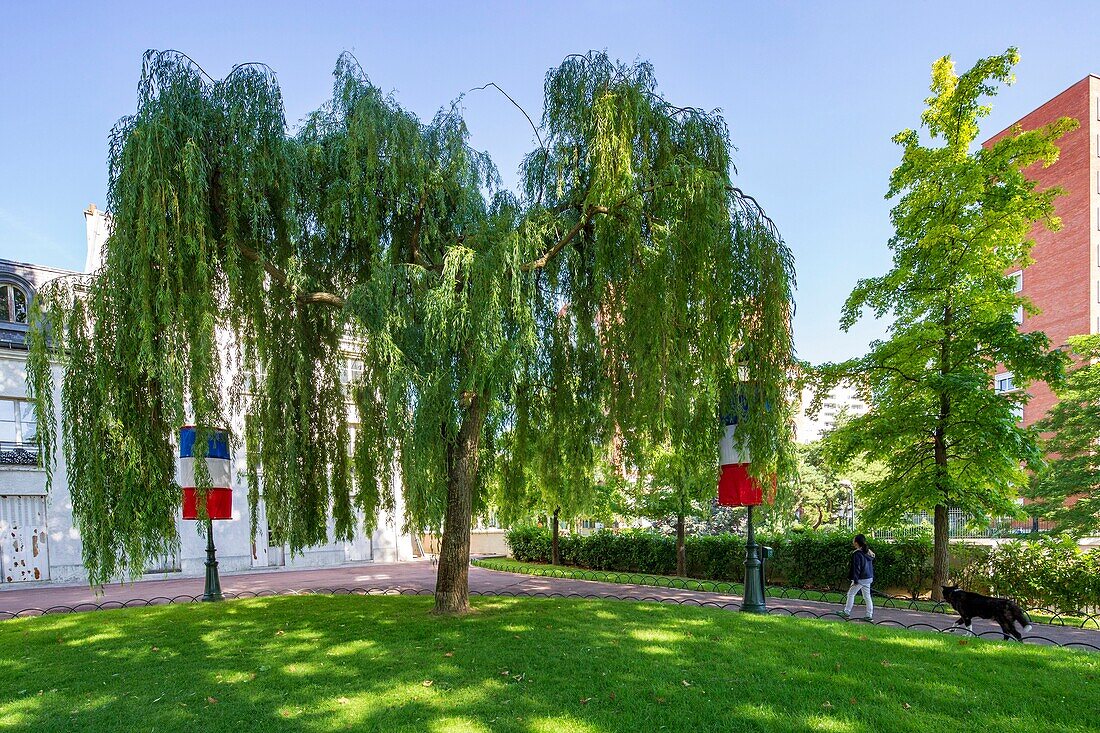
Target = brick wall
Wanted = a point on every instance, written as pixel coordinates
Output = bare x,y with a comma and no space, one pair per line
1060,281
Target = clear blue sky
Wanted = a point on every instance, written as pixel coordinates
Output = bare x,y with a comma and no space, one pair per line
812,92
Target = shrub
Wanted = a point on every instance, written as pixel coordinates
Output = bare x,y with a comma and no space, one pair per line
970,567
1051,572
529,544
805,559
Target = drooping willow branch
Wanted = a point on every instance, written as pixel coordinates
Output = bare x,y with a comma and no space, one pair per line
281,277
440,283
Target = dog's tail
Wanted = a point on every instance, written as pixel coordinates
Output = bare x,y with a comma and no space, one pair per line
1020,616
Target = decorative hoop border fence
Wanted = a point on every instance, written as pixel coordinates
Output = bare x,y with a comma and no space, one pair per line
1080,619
379,591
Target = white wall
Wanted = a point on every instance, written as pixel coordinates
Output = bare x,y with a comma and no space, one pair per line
809,428
236,550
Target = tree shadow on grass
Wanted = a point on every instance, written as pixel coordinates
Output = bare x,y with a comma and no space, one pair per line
383,663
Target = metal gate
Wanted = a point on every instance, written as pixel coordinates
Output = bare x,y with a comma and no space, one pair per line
23,550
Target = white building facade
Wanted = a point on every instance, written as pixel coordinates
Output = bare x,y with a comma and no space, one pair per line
39,542
841,400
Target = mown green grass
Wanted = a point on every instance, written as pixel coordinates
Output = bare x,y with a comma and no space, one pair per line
379,663
659,581
509,565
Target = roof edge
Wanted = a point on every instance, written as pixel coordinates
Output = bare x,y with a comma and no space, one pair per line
1086,77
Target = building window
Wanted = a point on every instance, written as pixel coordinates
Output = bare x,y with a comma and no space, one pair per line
17,423
13,303
1017,287
351,371
1003,383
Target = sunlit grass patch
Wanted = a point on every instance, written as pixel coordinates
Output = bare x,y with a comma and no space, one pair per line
509,565
384,663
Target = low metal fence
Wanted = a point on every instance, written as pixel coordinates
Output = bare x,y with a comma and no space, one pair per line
917,625
1078,618
962,526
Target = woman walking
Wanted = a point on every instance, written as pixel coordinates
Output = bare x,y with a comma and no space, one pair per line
861,571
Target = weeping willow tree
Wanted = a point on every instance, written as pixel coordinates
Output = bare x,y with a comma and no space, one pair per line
606,299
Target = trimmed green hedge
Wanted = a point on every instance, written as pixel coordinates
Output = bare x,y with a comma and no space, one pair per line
1050,573
801,559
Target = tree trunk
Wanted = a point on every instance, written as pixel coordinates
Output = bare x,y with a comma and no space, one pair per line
939,526
939,552
555,547
452,581
681,550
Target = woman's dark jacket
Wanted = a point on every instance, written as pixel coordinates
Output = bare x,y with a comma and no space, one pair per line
862,567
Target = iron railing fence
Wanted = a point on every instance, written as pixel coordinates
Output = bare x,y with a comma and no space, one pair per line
962,526
19,454
917,625
1085,618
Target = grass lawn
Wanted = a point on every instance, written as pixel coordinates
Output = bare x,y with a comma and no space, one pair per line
507,564
720,586
383,663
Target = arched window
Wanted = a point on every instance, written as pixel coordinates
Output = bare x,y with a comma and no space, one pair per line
13,303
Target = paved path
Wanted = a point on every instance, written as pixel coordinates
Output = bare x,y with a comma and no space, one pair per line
420,576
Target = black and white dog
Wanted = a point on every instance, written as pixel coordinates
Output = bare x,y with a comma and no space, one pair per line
974,605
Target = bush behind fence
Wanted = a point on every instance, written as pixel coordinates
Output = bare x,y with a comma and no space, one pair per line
1051,572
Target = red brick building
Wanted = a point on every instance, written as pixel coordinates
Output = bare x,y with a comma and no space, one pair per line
1064,280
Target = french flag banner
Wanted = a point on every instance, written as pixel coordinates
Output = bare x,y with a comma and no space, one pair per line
735,486
219,498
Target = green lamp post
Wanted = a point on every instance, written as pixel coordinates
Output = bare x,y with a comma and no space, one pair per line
218,498
737,487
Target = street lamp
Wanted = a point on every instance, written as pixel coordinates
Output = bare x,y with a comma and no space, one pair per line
845,483
737,487
219,496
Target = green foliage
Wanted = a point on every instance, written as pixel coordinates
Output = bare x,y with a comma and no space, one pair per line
515,344
820,559
802,559
970,567
529,543
961,222
1051,572
672,484
1068,491
816,488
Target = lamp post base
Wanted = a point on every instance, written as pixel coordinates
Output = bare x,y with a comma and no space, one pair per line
753,601
213,589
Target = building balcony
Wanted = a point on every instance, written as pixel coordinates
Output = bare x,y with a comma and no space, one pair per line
19,454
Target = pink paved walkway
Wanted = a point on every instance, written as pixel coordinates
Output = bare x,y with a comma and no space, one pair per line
420,576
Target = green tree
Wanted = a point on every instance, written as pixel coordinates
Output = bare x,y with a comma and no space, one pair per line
369,231
553,467
673,483
961,221
1068,490
824,492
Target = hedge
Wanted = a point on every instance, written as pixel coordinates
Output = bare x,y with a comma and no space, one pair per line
802,559
1050,573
